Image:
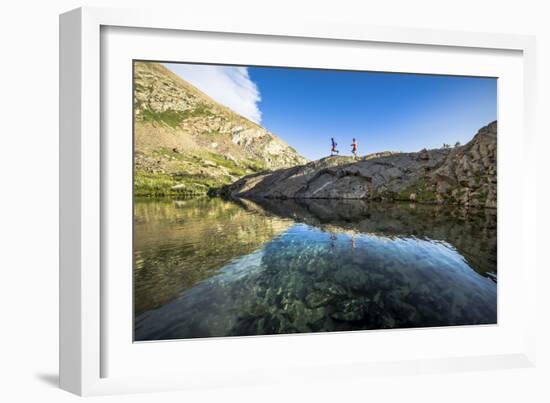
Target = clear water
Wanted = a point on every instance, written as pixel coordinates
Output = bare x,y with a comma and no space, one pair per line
211,267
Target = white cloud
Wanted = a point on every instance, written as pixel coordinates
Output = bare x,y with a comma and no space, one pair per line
230,86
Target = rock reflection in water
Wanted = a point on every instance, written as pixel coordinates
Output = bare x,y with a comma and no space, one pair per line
342,265
471,231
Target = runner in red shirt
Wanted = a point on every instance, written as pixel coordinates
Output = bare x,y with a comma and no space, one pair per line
354,148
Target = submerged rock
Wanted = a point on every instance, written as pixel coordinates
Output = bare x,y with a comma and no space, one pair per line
317,298
351,310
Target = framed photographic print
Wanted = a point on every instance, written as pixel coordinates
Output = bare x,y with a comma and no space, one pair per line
237,198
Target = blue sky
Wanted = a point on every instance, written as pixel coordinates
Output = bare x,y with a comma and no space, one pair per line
383,111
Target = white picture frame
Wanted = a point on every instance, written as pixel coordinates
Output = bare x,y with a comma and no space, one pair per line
86,330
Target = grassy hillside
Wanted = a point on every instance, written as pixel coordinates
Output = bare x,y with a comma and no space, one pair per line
188,144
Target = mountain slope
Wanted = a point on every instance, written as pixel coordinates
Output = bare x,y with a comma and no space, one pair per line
187,143
464,175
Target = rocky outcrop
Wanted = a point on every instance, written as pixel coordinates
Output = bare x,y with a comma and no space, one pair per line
186,142
464,175
469,174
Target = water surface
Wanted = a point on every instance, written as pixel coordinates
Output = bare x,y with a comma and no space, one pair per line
210,267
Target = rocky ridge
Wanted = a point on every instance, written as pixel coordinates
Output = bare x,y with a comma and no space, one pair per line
465,175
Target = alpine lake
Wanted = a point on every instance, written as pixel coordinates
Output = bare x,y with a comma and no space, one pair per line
211,267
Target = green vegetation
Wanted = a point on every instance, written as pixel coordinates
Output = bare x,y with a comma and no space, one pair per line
423,192
169,117
480,196
190,174
201,110
158,185
479,178
207,159
239,169
212,133
385,195
174,118
426,196
152,184
255,166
